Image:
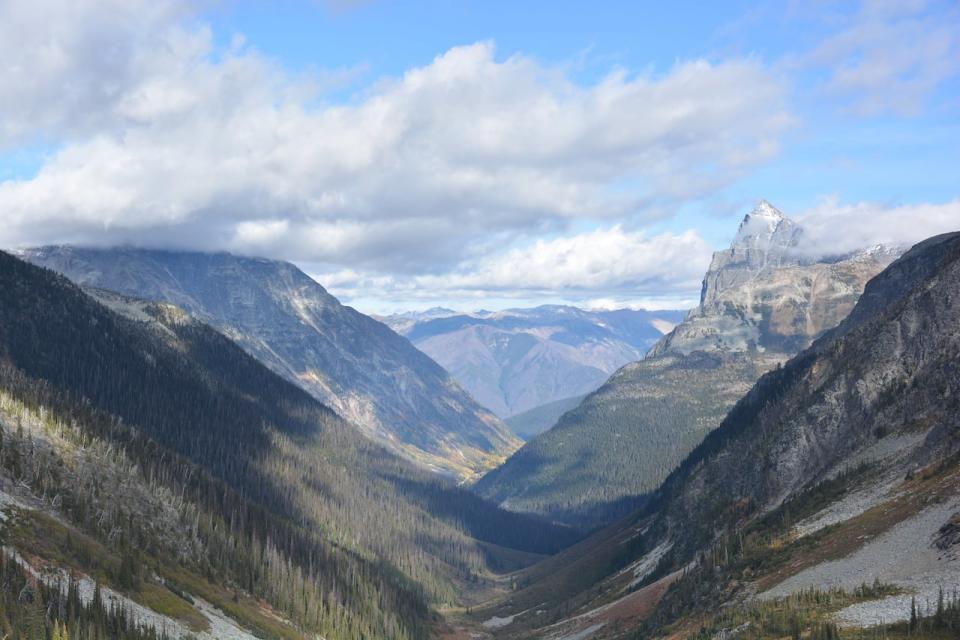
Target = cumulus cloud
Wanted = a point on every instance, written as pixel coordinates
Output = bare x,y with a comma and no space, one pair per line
432,185
891,56
68,66
631,268
832,228
170,142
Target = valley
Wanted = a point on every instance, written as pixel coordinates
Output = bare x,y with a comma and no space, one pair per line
393,320
822,506
783,461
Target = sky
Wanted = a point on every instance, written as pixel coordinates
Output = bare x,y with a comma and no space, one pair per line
477,154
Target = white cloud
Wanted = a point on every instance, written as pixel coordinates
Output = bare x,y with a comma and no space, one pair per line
169,142
599,260
630,269
832,228
429,186
68,65
891,56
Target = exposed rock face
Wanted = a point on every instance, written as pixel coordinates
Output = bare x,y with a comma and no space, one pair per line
949,534
893,366
762,294
354,364
519,359
763,243
762,301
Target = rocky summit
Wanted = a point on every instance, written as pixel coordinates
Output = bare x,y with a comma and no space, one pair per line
769,293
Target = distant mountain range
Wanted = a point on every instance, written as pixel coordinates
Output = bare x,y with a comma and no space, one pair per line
763,299
826,504
364,371
532,364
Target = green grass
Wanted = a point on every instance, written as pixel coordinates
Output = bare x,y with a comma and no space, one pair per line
165,602
245,610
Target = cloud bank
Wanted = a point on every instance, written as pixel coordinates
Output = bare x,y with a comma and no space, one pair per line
473,175
832,228
163,140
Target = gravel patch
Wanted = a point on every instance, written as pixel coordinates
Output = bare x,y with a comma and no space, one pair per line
583,634
648,563
904,556
497,622
849,506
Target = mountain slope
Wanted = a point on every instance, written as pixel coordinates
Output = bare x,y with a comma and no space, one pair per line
761,302
840,468
520,359
226,477
350,362
582,474
539,419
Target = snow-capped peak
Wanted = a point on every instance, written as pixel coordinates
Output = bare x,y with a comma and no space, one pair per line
762,224
767,210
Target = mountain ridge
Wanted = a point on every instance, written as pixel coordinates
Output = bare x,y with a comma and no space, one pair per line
353,363
179,462
518,360
822,503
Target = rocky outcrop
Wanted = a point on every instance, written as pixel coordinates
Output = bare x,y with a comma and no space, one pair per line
892,367
765,294
860,432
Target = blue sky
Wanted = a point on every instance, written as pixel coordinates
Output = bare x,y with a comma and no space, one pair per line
477,154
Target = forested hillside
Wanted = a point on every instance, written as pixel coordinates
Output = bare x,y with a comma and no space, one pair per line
596,464
353,364
173,459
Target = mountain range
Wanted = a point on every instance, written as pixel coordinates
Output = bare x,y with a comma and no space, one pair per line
530,365
783,463
157,480
352,363
763,299
825,505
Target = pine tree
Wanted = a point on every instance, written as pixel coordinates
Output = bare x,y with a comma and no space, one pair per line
913,613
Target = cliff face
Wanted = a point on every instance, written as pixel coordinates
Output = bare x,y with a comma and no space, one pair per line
763,294
359,367
763,300
893,366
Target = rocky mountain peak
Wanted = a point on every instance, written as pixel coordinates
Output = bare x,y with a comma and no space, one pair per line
764,216
762,294
764,239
